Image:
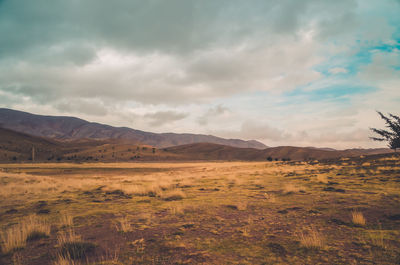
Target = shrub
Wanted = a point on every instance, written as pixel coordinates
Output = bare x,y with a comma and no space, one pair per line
73,246
358,218
77,250
311,240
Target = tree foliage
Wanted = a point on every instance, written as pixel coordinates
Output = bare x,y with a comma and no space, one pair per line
392,134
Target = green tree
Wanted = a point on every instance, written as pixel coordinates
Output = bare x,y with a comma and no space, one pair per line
392,134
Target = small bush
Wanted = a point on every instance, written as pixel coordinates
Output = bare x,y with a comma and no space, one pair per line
358,218
72,245
312,240
77,250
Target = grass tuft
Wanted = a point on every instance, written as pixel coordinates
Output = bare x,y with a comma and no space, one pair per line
14,238
358,218
65,260
124,225
66,220
31,228
312,240
72,245
77,250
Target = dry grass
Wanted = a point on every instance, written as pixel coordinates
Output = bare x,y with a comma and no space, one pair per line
377,238
312,240
206,189
124,224
291,188
66,220
65,260
13,238
73,247
31,228
173,195
68,236
270,197
177,209
358,218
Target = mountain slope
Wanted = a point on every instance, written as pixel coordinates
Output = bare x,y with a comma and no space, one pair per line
207,151
71,128
17,147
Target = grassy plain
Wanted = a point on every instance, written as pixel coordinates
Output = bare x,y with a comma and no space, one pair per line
333,212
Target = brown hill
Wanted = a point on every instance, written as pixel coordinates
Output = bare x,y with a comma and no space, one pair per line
17,147
71,128
207,151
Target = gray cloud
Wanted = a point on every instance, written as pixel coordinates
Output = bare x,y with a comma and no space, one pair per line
173,25
157,52
251,129
162,117
212,113
80,107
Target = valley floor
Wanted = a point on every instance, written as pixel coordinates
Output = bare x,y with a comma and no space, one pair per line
338,212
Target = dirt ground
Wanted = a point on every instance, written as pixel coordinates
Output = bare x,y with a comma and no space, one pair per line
326,212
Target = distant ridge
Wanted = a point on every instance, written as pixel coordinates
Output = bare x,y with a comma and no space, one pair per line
71,128
207,151
17,147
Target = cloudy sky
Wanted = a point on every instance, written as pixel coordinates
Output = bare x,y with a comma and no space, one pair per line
288,72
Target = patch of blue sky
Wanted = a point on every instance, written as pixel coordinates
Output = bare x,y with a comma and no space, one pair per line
335,92
352,63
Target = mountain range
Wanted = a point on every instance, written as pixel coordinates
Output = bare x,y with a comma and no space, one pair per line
26,137
71,128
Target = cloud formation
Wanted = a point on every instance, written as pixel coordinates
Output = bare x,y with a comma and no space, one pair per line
226,67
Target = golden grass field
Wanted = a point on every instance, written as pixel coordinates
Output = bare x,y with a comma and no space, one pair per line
340,212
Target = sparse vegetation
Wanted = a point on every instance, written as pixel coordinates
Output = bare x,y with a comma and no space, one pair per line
210,213
124,224
72,246
66,220
358,218
30,229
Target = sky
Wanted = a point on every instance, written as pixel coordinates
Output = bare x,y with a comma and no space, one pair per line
288,72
